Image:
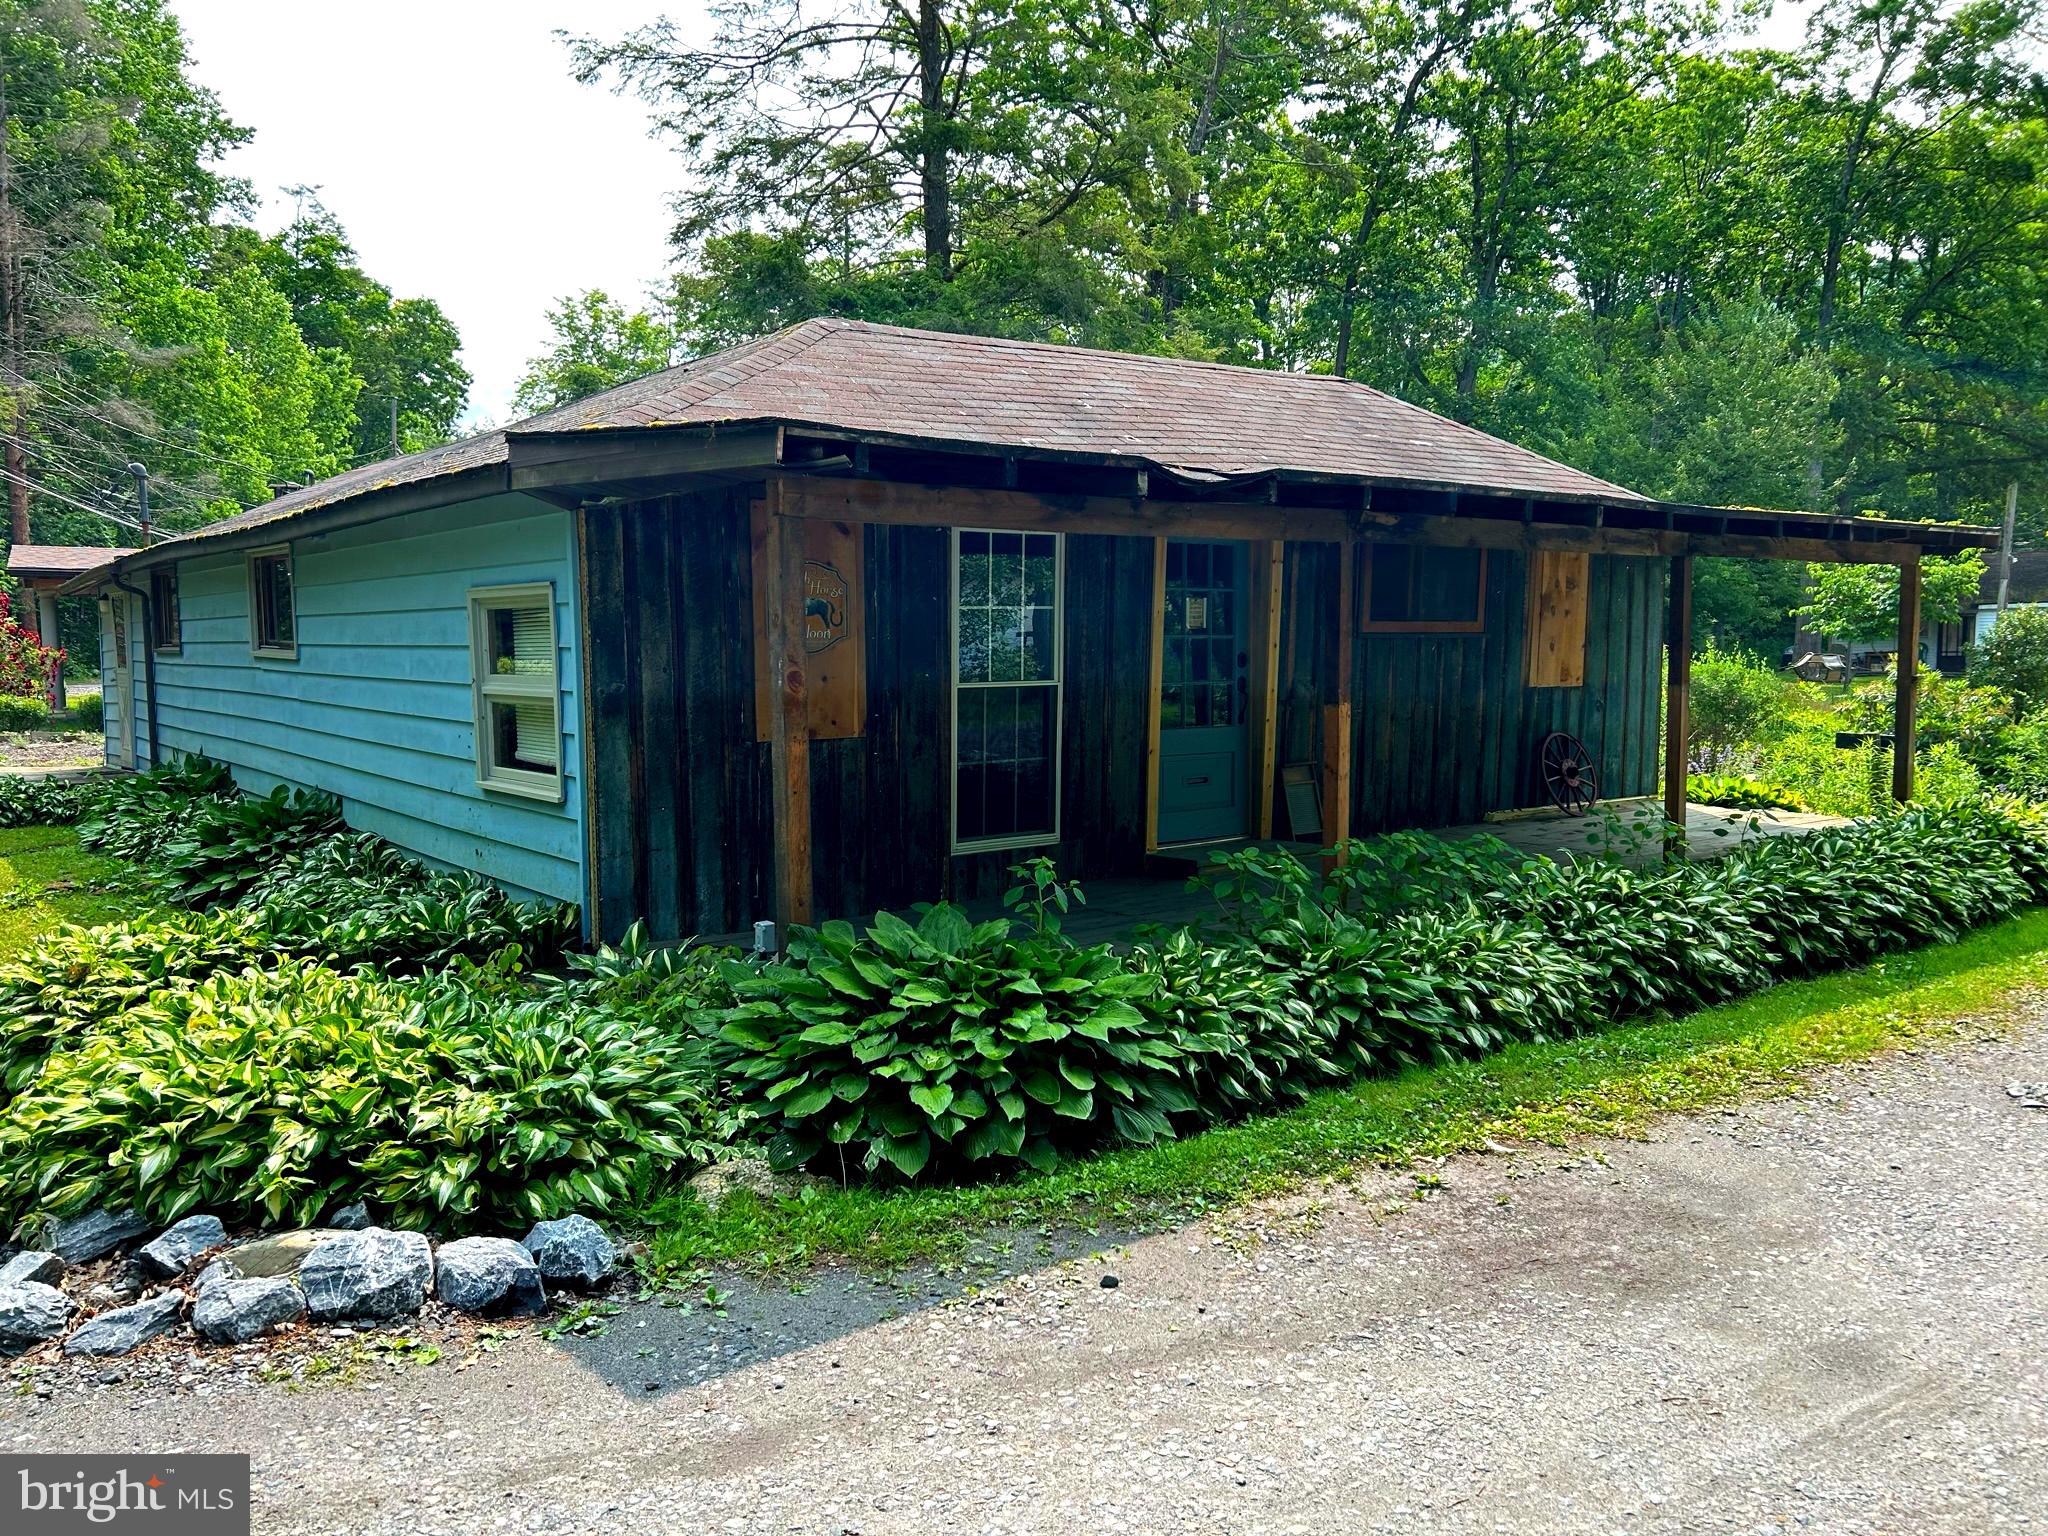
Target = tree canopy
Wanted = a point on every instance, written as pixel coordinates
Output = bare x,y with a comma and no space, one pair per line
1613,230
142,320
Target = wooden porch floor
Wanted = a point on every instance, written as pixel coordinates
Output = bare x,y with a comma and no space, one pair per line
1115,909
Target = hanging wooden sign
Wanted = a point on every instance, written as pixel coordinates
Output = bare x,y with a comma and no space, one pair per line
835,636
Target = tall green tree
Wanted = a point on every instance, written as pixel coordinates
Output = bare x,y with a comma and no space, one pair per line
597,343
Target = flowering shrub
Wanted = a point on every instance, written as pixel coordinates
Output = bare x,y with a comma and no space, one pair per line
25,662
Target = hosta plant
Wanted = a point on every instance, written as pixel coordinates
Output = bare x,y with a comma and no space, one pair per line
276,1094
136,815
222,849
953,1045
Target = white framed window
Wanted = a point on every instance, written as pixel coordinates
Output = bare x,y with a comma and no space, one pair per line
1007,594
515,677
273,605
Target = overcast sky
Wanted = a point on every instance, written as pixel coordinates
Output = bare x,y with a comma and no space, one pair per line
449,139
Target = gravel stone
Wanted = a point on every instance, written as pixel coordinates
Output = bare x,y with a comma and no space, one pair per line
572,1251
373,1273
94,1235
34,1265
180,1244
31,1312
127,1328
236,1311
491,1276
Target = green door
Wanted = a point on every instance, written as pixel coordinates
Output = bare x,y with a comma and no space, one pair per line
1204,691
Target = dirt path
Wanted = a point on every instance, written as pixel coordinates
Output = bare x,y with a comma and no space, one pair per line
1826,1315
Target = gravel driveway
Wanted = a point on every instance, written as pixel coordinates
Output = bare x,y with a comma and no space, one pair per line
1828,1314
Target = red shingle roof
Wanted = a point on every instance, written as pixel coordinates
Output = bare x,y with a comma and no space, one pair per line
1207,419
59,559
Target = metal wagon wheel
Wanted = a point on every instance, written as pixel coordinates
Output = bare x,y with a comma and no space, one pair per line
1569,777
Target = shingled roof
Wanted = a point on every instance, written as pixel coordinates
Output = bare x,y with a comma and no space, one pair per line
1202,420
59,559
1195,418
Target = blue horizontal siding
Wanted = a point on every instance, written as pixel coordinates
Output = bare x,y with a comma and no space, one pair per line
377,707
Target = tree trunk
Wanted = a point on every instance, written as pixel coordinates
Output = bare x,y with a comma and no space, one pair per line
933,152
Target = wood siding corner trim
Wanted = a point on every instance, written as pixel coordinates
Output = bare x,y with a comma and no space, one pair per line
782,571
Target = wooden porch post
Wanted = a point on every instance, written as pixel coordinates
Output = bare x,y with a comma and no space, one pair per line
1337,713
1906,700
1677,688
782,569
1267,615
1156,671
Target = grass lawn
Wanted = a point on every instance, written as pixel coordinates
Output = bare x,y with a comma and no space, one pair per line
47,879
1611,1083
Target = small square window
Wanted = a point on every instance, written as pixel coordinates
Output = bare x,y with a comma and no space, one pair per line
1422,589
514,663
273,611
166,630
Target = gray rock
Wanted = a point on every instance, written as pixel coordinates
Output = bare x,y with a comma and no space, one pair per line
82,1239
100,1297
220,1269
572,1251
351,1218
181,1243
718,1182
493,1276
281,1253
129,1327
31,1312
236,1311
42,1268
367,1274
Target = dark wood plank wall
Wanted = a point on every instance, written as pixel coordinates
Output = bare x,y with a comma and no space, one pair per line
1446,730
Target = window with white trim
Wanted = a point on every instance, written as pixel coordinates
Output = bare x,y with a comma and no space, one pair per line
513,660
1007,667
273,605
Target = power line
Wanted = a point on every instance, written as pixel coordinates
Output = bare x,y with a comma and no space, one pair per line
44,490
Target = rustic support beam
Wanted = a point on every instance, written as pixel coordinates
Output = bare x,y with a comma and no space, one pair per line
1677,690
1156,667
900,502
782,570
1337,713
1906,699
1263,643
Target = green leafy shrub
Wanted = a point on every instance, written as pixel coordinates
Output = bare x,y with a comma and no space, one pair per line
2014,658
90,711
1736,699
19,713
46,802
226,845
1734,792
353,898
280,1092
138,814
73,982
952,1046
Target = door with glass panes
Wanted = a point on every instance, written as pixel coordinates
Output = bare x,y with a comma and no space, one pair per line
1204,693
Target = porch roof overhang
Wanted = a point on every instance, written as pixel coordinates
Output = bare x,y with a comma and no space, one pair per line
879,476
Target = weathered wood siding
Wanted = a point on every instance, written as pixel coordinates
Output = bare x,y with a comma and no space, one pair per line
682,827
1444,729
377,706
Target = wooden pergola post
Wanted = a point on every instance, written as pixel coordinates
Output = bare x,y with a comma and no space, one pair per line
1337,713
1677,689
782,569
1905,702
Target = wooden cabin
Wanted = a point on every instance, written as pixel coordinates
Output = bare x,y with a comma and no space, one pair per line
854,617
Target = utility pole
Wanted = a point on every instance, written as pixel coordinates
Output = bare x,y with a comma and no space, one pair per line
394,426
141,475
2012,512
